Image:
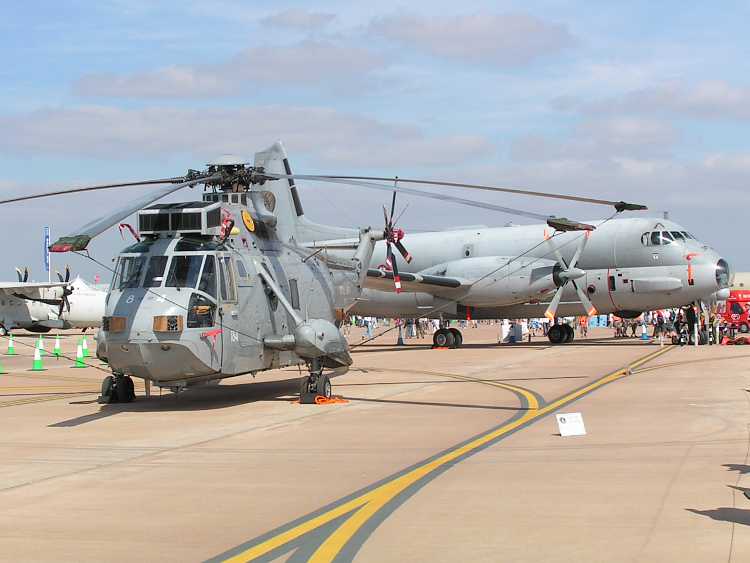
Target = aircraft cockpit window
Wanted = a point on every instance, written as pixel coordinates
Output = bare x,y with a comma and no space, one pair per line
644,239
155,271
655,238
184,270
208,277
129,271
139,247
666,238
678,236
196,245
688,235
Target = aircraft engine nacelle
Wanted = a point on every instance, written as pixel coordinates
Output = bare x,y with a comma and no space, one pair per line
504,280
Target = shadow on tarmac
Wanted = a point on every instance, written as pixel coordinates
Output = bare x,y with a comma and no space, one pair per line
433,404
738,467
725,514
200,398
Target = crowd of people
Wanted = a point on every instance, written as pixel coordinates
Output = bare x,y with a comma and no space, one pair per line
679,325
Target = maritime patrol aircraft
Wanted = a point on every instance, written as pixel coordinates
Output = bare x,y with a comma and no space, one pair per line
43,306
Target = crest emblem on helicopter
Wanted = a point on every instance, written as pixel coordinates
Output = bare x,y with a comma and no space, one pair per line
247,219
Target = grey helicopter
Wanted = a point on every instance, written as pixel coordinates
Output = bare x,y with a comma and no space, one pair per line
229,285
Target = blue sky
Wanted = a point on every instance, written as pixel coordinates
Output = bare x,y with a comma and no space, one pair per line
640,101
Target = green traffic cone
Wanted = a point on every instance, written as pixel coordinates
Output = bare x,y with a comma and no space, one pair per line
37,365
40,346
79,357
85,346
11,347
56,351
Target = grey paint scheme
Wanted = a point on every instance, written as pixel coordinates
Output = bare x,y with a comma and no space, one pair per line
254,326
645,277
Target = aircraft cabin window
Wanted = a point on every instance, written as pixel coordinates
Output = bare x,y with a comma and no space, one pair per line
129,271
155,271
655,238
226,263
666,238
294,294
241,269
183,271
208,277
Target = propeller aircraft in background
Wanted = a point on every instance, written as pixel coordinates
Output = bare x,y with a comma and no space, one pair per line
44,306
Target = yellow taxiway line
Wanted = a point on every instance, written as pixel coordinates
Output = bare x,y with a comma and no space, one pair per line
366,505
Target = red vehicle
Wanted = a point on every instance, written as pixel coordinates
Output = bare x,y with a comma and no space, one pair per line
737,310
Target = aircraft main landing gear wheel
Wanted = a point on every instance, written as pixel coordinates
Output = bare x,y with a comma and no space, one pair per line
570,334
458,338
117,389
556,334
443,338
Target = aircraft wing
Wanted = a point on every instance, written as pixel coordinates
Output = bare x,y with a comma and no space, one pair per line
437,285
31,290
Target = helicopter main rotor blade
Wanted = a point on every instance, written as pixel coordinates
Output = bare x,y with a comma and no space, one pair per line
81,238
619,205
439,197
91,189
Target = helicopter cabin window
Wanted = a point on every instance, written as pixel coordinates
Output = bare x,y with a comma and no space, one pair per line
235,198
225,198
243,198
155,271
241,271
183,271
201,311
213,218
226,279
294,294
129,271
208,278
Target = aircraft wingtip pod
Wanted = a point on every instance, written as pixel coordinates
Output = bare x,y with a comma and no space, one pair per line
70,244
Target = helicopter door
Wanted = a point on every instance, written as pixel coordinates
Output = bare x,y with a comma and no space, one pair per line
203,311
228,307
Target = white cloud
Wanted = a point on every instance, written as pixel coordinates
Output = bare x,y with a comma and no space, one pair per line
706,99
331,137
310,64
507,40
299,19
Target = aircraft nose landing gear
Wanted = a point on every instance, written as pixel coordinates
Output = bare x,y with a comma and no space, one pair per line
317,384
117,388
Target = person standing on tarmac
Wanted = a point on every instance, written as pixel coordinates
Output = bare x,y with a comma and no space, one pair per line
691,319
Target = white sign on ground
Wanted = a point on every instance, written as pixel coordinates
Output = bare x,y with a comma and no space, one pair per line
570,424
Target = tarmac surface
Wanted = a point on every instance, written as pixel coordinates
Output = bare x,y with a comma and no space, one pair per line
436,455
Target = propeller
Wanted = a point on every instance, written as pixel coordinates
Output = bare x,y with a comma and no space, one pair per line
393,237
23,275
67,275
567,273
67,290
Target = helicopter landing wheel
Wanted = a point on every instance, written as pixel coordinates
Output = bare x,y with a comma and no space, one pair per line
125,389
312,386
108,391
117,389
